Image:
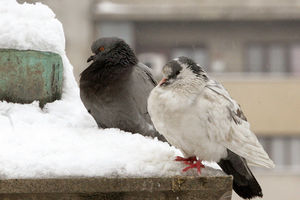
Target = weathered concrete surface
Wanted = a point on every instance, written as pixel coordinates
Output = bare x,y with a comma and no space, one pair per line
179,188
28,75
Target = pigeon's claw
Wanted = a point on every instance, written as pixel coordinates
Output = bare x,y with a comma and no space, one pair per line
197,165
193,162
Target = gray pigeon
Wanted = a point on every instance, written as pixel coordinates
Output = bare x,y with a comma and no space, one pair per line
198,116
115,88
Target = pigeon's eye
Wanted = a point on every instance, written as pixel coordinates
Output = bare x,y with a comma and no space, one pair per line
101,49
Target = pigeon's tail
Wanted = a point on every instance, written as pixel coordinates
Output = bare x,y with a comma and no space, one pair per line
244,182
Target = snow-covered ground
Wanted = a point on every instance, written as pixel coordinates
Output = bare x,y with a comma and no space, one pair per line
62,139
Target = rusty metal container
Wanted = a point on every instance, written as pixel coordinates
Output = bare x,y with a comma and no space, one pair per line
27,75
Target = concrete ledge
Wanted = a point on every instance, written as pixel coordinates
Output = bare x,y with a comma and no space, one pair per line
179,188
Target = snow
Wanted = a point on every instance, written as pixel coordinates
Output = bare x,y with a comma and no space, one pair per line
62,139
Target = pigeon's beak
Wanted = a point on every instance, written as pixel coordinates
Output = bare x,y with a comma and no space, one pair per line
91,58
162,81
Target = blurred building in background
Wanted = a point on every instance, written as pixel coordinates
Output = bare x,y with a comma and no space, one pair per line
252,47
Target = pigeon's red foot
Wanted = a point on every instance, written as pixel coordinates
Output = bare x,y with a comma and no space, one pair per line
193,162
197,165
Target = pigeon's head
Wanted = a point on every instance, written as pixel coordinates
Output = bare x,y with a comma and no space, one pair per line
181,71
112,48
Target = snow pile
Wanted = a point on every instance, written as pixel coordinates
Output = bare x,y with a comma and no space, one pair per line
63,139
34,26
30,21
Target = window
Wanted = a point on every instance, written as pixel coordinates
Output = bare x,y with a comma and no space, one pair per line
255,56
295,59
277,58
273,57
295,151
284,151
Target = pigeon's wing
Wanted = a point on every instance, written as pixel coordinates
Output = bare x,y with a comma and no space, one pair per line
142,82
148,72
231,127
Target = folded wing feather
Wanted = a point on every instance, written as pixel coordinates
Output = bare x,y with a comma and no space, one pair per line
239,139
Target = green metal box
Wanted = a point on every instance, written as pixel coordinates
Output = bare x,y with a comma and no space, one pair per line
26,76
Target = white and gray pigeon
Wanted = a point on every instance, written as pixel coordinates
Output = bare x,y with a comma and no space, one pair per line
115,88
198,116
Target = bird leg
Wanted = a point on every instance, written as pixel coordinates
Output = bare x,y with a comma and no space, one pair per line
193,162
187,161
